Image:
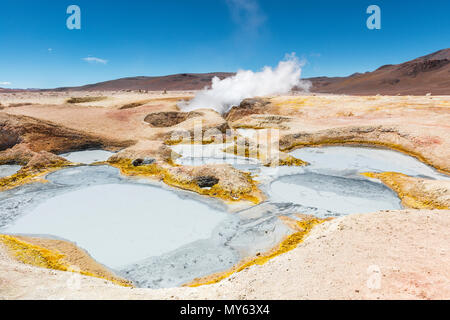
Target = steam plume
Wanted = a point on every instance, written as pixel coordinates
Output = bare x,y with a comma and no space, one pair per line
229,92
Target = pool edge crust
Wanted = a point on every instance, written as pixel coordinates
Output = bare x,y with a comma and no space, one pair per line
282,158
416,193
27,175
302,228
57,255
346,141
184,177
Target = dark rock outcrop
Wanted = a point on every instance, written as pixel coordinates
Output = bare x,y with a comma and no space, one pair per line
206,181
8,139
22,138
142,162
248,107
169,118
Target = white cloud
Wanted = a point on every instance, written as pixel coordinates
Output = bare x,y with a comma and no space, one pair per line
95,60
5,83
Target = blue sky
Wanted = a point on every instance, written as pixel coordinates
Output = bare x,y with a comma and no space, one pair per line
159,37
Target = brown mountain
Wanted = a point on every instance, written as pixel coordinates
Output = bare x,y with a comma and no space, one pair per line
427,74
182,81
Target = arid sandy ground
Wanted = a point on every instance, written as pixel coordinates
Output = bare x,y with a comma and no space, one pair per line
419,125
405,252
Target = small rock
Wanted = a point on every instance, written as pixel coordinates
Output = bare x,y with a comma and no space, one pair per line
141,162
206,181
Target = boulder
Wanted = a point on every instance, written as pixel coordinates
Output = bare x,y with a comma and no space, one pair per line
142,162
206,181
248,107
169,118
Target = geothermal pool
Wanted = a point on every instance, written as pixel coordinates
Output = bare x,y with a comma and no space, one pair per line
197,154
8,170
333,182
158,236
120,223
334,194
154,235
87,156
347,161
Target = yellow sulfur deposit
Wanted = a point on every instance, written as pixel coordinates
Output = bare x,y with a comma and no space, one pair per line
283,159
34,255
126,167
204,141
415,193
45,258
291,161
29,175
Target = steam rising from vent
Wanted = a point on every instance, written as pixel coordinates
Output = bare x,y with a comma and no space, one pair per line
229,92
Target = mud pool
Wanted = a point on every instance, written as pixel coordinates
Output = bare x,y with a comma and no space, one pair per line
348,161
195,155
87,156
333,182
157,236
8,170
155,222
148,233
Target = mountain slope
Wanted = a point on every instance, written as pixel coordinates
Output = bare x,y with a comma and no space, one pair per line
427,74
183,81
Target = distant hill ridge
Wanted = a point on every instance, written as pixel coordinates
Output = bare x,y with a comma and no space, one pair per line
182,81
427,74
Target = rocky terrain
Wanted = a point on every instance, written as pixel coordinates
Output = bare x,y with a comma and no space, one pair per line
388,254
427,74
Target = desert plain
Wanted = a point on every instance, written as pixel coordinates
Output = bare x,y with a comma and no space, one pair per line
385,254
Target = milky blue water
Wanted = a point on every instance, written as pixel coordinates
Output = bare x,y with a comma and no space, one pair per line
8,170
157,236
